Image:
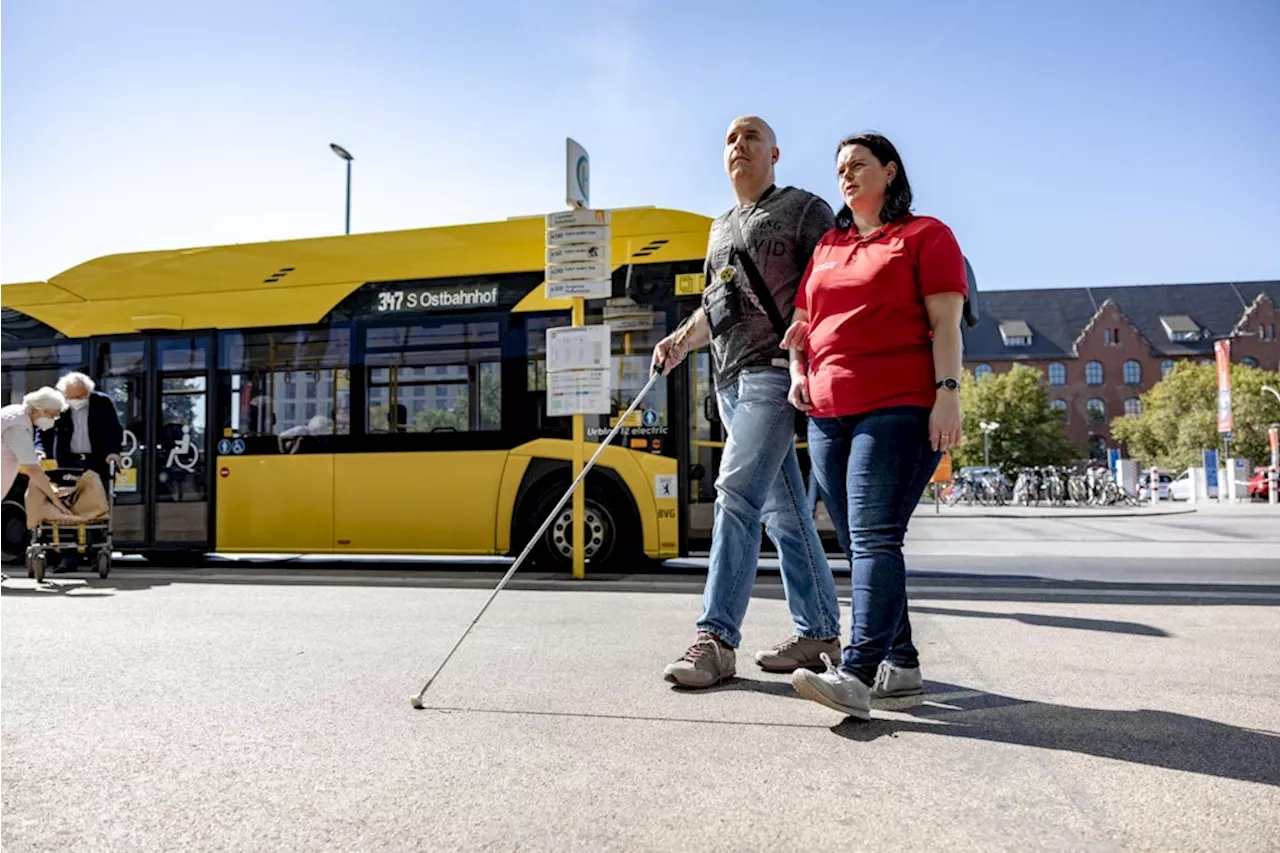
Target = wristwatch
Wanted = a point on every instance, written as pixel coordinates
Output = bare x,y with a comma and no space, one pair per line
949,384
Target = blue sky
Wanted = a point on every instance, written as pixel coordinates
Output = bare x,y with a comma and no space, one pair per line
1066,143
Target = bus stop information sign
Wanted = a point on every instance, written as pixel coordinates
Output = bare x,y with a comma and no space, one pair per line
579,267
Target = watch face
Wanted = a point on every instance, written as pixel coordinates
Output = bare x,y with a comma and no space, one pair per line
949,384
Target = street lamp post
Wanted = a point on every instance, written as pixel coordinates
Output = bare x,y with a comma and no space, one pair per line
988,427
345,155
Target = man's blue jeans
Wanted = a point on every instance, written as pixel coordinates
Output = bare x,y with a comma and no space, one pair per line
760,480
871,471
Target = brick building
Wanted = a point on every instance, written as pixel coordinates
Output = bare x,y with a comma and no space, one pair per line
1100,348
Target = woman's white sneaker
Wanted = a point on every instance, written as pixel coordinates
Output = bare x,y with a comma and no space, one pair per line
834,688
893,681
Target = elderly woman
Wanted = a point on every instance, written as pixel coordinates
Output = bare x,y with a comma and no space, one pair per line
875,354
38,410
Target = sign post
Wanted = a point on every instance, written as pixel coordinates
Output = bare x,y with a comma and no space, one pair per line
1273,436
1222,355
1211,484
579,267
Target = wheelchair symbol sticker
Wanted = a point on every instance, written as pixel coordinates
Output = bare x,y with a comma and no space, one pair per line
224,447
650,417
184,454
237,446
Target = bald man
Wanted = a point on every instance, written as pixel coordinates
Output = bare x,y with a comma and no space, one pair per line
756,254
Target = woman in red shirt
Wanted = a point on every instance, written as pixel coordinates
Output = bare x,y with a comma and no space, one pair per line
875,361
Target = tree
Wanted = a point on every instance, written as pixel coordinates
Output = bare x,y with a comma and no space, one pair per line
1030,432
1179,417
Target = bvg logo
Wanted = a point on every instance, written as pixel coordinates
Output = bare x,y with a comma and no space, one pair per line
666,513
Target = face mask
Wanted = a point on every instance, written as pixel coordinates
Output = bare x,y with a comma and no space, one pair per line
44,423
78,404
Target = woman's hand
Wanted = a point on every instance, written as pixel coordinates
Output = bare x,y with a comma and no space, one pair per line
798,396
797,335
946,422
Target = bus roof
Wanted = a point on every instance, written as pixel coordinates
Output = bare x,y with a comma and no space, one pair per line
289,282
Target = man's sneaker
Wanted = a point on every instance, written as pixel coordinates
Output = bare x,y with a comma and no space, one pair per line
834,688
796,652
705,664
892,681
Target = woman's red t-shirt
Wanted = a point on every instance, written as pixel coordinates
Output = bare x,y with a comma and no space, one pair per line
870,341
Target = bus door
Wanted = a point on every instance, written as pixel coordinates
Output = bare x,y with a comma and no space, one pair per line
705,446
706,436
160,387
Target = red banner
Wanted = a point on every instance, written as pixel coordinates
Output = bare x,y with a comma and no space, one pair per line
1274,435
1222,351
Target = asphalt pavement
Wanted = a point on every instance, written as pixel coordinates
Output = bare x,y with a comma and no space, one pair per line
241,707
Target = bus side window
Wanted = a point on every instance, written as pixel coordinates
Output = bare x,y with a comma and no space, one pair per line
290,380
440,375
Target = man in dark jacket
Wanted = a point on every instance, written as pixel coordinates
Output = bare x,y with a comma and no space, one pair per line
86,435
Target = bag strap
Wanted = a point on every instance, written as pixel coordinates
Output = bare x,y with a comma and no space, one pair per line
753,275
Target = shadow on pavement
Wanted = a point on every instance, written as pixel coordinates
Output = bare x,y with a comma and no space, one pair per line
1154,738
1045,620
69,587
934,586
746,685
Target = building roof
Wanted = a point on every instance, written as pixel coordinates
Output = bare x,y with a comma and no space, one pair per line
1057,316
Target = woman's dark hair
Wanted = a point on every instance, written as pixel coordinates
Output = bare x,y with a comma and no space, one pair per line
897,196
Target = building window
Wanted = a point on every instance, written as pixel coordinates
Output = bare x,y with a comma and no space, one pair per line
1093,373
1059,406
268,373
1132,373
1166,367
1057,373
1249,361
1112,337
1097,410
1180,328
464,385
1267,331
982,371
1133,407
1015,333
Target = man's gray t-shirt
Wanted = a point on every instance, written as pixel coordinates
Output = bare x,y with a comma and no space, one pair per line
780,234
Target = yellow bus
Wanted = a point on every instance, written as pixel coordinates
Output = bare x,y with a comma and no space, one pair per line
376,393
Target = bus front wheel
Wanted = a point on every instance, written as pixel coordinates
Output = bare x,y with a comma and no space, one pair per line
606,528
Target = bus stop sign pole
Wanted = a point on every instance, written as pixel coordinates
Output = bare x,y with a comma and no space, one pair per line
577,196
578,268
579,498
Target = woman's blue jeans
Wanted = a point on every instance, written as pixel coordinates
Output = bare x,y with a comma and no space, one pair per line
872,470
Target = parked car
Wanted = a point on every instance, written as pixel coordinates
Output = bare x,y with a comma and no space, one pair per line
1259,486
1180,489
1144,486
